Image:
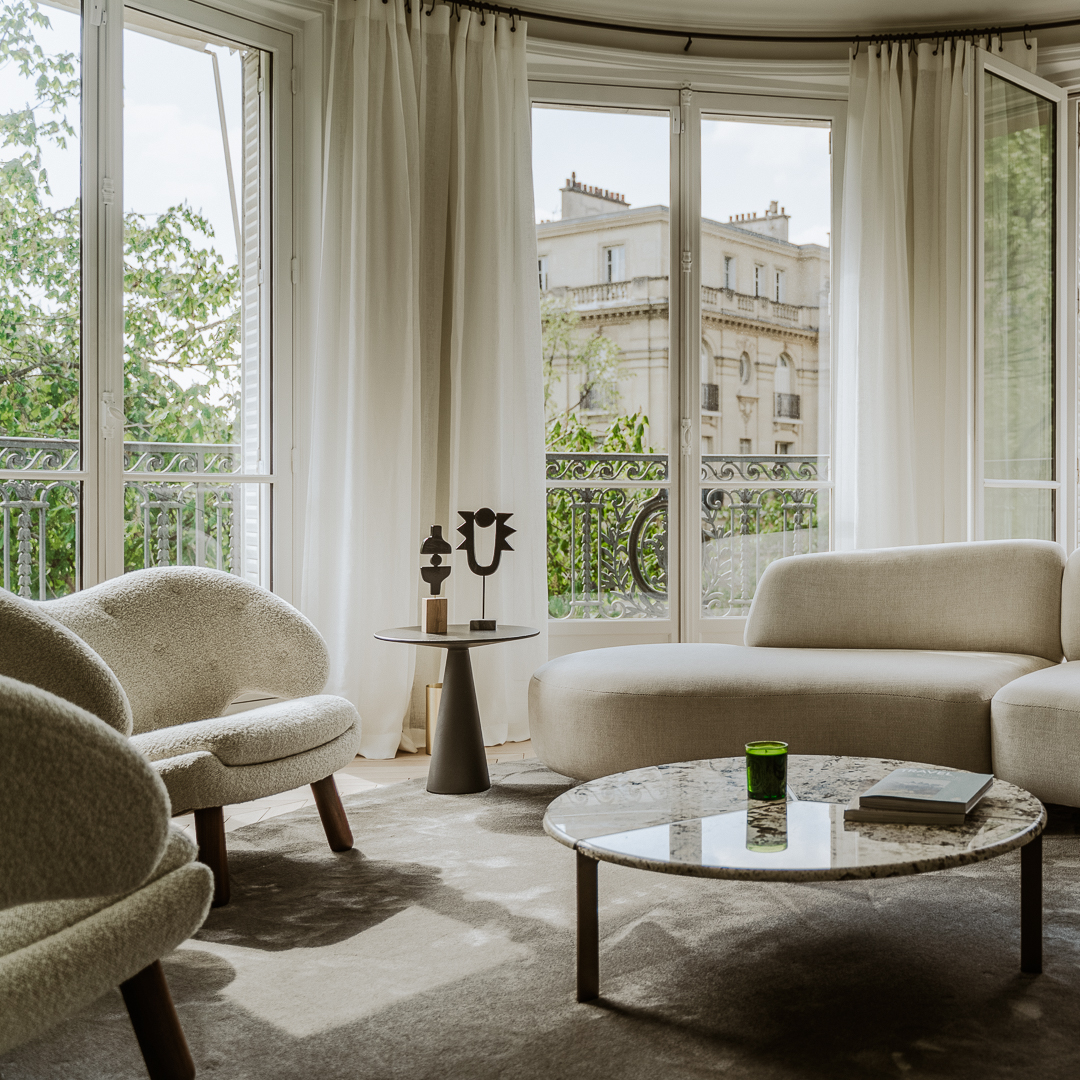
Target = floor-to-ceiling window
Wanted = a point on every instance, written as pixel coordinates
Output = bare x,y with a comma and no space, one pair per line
137,301
688,404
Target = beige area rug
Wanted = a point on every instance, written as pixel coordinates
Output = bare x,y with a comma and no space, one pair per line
444,947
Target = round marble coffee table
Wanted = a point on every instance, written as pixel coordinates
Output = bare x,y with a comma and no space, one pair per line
693,818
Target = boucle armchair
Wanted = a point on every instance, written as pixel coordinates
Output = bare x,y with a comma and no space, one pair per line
185,642
95,885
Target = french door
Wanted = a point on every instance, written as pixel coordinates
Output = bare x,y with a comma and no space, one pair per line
145,355
687,352
1025,363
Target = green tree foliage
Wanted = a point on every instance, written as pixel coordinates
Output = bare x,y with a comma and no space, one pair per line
595,359
181,297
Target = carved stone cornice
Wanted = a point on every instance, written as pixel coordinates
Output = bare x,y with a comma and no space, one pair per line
627,313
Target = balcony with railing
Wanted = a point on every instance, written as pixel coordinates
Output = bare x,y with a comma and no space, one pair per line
654,291
608,529
786,406
168,522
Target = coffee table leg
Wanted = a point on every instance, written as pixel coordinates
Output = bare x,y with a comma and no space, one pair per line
458,758
1031,907
588,930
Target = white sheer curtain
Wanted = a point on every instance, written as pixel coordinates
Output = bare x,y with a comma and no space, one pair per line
902,385
490,377
428,395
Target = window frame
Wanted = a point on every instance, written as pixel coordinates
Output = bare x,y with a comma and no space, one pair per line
103,474
685,106
1064,486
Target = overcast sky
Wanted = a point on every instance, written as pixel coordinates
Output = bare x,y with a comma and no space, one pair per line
172,135
743,165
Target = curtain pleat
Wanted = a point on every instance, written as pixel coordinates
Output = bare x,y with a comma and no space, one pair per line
427,395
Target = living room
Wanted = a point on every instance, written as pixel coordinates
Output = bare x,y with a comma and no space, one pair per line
783,447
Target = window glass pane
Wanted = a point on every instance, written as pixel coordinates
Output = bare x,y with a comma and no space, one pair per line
1009,513
40,302
765,322
601,184
195,351
1018,354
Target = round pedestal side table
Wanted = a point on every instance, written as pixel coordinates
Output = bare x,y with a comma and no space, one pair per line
458,758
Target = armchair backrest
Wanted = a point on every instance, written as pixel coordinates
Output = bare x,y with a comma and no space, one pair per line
36,649
82,812
186,641
991,596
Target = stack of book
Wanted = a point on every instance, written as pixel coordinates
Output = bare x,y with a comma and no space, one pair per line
913,796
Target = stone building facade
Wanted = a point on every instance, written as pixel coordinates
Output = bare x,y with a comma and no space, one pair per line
764,313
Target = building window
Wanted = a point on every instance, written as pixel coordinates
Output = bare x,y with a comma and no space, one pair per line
710,397
783,448
729,272
746,446
778,296
615,263
744,369
541,266
758,270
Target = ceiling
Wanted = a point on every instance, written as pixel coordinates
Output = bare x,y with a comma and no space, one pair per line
820,17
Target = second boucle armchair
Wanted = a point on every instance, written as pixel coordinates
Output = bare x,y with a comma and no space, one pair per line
184,643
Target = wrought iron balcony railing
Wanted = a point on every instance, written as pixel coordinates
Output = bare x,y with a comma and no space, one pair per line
608,529
786,406
174,521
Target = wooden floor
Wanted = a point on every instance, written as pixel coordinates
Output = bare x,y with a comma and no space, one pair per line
363,774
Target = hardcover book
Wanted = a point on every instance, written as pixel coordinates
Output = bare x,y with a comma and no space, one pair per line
901,817
949,791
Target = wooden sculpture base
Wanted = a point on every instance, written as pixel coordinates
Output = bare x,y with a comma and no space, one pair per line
435,615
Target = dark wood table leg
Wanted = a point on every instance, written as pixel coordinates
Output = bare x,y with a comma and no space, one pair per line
588,929
458,758
1031,907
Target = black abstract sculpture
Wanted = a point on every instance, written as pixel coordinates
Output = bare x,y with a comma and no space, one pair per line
436,547
484,518
435,575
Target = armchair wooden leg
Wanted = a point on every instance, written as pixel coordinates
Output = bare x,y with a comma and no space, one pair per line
334,820
210,835
157,1027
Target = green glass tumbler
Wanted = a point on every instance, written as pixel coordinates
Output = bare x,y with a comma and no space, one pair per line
766,770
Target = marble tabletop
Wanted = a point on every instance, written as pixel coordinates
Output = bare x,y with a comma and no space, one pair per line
693,818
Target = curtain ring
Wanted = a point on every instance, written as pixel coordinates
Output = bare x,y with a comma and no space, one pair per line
483,12
513,23
1027,44
431,9
689,42
858,42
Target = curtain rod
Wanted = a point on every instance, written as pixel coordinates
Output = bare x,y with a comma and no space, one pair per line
715,35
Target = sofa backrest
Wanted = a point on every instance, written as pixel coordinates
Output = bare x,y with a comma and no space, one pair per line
991,596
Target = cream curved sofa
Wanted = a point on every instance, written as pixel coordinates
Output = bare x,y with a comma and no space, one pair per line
890,653
95,884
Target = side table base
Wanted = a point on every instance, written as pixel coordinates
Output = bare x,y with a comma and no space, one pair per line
458,758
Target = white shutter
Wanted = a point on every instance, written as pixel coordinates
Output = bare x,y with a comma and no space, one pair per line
252,502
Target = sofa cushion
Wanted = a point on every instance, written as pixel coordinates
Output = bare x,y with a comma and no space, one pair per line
1035,730
256,735
608,710
994,596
